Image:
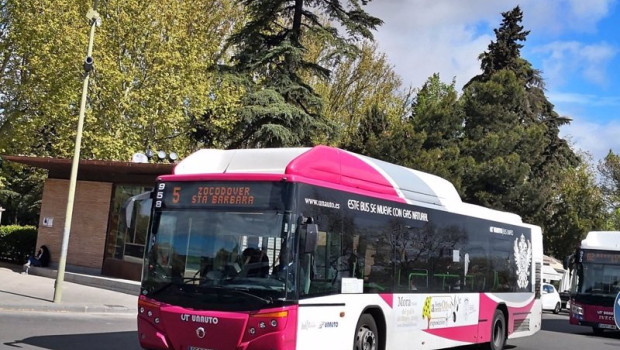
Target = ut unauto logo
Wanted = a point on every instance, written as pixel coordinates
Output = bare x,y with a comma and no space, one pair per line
327,324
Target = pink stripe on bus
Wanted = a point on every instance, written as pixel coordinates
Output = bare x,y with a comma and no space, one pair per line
481,332
388,298
328,164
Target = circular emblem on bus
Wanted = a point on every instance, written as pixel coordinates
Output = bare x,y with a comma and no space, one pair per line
200,332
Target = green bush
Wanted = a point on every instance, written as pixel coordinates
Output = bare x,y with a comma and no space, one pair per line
17,243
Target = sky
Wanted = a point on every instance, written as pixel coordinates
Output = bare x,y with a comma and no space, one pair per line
574,43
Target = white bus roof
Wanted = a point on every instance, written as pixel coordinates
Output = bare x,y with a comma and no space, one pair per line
604,240
341,168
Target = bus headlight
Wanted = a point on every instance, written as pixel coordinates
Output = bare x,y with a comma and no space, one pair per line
576,309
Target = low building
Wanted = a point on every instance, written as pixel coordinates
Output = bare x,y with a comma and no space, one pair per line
100,242
553,272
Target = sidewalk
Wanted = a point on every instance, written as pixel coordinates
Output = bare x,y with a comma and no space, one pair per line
30,292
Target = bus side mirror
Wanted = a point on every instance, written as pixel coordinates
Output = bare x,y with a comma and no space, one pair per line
312,238
129,205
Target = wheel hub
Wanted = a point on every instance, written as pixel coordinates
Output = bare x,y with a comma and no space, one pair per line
367,339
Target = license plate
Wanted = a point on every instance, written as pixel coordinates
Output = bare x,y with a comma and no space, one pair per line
606,326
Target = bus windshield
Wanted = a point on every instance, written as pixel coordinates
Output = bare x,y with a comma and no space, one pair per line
597,278
217,260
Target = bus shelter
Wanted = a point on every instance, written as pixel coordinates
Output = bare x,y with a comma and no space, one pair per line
100,242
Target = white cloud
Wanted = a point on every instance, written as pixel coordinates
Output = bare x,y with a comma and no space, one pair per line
584,15
555,17
593,138
583,99
423,37
565,58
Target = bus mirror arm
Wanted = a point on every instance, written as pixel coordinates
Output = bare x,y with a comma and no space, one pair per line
311,241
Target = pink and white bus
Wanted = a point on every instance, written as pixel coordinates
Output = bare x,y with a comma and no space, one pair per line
595,281
320,248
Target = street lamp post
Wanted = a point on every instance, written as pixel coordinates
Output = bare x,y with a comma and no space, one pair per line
1,210
94,18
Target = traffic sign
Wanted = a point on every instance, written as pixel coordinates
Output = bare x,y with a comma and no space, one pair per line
617,311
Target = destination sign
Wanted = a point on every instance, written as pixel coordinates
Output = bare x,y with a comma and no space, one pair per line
602,257
216,194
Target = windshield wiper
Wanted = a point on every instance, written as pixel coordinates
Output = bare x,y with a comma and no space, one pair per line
217,289
175,283
160,288
238,292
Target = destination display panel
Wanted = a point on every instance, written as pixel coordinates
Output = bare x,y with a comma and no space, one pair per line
212,194
600,256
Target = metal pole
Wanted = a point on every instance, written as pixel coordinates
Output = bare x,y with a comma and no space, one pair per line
88,66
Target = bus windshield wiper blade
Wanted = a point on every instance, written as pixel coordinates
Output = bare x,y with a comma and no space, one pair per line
161,288
175,283
240,292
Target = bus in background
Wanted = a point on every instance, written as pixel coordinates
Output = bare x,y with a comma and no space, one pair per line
596,280
304,248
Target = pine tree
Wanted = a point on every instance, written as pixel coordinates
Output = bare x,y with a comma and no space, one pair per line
505,53
511,132
280,108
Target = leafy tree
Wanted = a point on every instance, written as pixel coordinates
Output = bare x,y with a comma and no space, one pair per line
576,208
150,76
280,108
358,84
20,194
609,169
154,72
437,116
39,80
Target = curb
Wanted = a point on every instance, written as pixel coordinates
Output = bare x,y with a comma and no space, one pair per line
116,285
118,309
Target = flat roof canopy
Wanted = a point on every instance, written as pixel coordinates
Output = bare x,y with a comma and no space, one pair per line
97,170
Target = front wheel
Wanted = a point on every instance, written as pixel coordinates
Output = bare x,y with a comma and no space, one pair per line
366,334
557,309
597,331
498,332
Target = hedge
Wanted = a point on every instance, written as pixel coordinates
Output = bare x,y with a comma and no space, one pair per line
17,243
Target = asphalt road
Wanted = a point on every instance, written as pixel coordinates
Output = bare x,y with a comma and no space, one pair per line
67,331
558,334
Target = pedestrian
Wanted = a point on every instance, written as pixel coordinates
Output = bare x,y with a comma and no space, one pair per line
41,259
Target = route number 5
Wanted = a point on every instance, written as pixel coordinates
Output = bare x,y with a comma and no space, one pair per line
176,195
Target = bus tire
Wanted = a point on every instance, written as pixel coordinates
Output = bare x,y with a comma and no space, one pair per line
498,332
366,334
597,331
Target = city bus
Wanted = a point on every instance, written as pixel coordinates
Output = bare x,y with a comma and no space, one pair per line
595,281
304,248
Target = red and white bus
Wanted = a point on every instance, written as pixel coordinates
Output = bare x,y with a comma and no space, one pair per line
306,248
595,281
